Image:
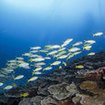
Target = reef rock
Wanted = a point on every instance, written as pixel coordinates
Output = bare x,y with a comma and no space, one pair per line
94,75
62,91
88,85
48,100
31,101
89,100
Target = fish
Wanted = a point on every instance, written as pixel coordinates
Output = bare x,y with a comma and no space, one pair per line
1,84
43,51
56,63
60,54
52,53
60,67
8,87
18,77
24,65
71,55
24,94
90,41
78,52
38,59
36,72
87,47
50,47
35,48
64,63
12,61
66,42
61,49
20,58
47,68
48,58
38,68
33,79
40,64
79,67
92,53
7,70
34,51
74,49
98,34
62,57
77,43
26,54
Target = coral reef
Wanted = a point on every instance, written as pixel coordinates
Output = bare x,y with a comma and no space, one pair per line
67,86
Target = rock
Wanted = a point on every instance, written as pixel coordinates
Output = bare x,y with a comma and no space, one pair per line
3,99
88,85
49,101
65,102
43,91
72,89
92,87
103,77
89,100
31,101
94,75
62,91
25,101
36,100
76,99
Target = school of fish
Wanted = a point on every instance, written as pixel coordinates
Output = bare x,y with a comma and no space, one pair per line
40,60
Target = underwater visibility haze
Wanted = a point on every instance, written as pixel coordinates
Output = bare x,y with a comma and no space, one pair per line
40,36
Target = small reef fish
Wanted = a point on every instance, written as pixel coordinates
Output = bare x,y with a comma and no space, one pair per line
18,77
87,47
12,61
50,47
92,53
20,58
36,72
62,57
35,48
90,41
48,58
26,54
1,84
34,51
98,34
8,87
52,53
70,56
56,63
77,43
66,42
60,54
33,79
78,52
79,67
38,69
64,63
61,49
47,68
38,59
74,49
24,94
43,51
40,64
24,65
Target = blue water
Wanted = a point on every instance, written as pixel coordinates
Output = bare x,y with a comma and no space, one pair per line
26,23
